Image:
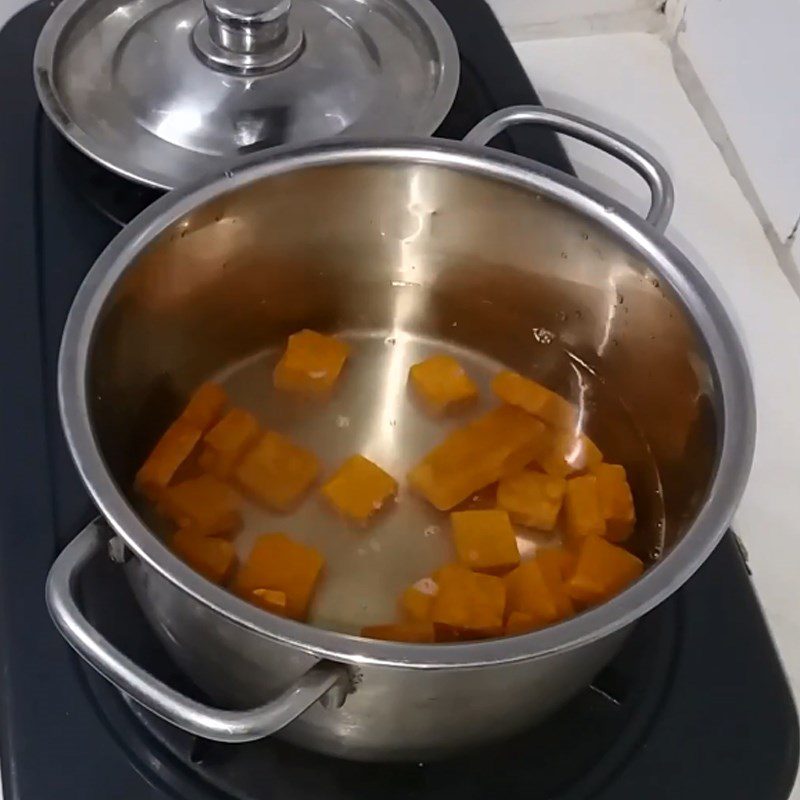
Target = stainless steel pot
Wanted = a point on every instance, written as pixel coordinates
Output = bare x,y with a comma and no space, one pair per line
298,236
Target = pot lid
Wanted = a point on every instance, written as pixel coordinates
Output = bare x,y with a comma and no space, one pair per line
161,91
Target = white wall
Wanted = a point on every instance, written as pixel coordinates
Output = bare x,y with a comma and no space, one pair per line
747,56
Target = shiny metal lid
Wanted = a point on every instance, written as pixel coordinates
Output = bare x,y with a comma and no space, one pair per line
161,91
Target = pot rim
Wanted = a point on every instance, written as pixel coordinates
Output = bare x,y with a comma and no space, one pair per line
736,411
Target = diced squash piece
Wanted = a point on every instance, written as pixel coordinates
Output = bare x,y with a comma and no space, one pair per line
518,622
172,450
178,442
497,444
567,453
441,382
416,601
270,600
205,406
616,501
485,540
205,504
280,564
213,558
532,498
582,514
558,558
528,592
311,363
276,471
415,632
536,399
468,604
551,564
227,441
443,570
602,570
359,488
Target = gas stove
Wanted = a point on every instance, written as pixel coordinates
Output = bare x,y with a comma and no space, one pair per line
696,705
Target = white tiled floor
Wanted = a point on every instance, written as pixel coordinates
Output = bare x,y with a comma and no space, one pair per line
626,82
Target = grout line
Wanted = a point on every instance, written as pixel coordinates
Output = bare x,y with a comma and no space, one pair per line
715,127
793,234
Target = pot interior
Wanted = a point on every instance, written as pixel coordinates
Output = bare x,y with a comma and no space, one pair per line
405,259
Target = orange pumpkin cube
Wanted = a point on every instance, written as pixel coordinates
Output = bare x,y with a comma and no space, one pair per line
441,382
616,501
205,406
528,592
171,452
415,632
227,441
280,564
582,513
518,622
270,600
532,498
204,504
602,570
359,488
536,399
416,601
497,444
178,442
485,540
552,562
311,363
567,453
276,472
213,558
557,558
468,604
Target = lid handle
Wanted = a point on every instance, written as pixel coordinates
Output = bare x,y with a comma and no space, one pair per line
248,36
247,26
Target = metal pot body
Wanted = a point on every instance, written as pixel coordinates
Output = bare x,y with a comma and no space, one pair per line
392,712
405,236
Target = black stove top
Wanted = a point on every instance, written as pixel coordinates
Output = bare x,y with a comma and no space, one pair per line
696,706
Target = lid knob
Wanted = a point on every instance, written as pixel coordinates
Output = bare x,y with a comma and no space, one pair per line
248,36
247,26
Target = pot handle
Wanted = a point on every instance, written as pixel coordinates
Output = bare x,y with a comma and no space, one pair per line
661,190
218,724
